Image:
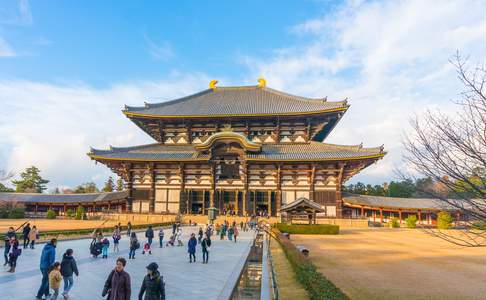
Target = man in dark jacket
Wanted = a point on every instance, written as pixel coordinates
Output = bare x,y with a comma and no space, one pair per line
118,285
152,285
191,248
8,235
206,245
25,234
48,257
149,234
68,268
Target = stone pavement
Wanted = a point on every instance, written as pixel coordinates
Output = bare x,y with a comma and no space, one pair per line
183,280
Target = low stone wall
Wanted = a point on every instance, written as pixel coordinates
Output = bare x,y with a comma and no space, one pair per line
342,223
201,219
141,218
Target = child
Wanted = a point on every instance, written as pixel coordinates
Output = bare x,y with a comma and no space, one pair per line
55,279
106,245
171,241
161,237
178,236
146,248
116,240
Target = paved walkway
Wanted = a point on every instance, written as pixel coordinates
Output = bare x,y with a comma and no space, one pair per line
183,280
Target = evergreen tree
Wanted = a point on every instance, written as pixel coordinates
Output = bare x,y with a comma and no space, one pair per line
119,184
31,181
401,189
5,189
109,185
88,187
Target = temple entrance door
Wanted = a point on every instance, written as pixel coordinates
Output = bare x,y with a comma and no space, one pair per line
228,202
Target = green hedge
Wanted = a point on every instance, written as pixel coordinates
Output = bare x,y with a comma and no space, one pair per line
308,229
316,284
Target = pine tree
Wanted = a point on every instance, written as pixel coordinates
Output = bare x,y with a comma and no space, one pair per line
88,187
31,181
109,185
119,184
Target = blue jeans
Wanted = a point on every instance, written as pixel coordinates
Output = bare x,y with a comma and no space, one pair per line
131,254
68,283
161,239
149,241
44,288
205,256
55,294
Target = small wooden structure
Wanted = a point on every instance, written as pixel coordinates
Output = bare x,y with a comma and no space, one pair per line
301,207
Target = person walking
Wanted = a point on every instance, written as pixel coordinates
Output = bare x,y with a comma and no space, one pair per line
105,247
179,236
206,246
134,245
47,258
191,248
230,233
13,254
55,279
129,229
200,235
68,268
116,239
149,234
25,235
235,232
153,285
33,236
161,237
8,235
174,227
118,284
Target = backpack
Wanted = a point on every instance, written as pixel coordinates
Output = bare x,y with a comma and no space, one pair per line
137,245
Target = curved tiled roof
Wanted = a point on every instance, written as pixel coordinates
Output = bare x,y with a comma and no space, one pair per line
62,198
236,101
396,203
273,152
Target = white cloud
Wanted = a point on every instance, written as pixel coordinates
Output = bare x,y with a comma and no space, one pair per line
390,58
53,126
5,49
159,51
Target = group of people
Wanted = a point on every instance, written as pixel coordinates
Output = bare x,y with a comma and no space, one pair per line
226,229
12,249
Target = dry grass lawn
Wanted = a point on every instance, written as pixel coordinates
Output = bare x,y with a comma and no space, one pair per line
383,263
58,224
288,286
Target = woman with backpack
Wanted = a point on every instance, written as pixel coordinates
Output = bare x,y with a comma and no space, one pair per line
68,268
116,239
134,245
13,254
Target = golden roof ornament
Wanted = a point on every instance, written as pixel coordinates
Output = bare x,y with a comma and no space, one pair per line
262,82
212,84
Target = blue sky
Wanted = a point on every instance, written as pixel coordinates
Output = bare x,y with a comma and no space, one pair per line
68,67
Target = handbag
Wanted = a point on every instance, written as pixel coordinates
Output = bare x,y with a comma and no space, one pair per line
107,287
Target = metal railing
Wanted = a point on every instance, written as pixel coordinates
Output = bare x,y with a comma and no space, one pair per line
273,277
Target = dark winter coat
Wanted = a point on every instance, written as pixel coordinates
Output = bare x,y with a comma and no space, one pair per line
8,236
205,244
117,286
26,231
15,251
68,266
48,256
153,287
191,245
149,233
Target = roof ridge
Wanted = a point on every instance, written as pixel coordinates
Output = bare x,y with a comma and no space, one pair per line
159,104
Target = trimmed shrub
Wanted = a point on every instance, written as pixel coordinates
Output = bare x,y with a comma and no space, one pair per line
316,284
411,221
444,220
80,213
51,214
308,229
394,223
70,213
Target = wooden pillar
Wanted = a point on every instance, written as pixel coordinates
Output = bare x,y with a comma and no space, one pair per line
362,212
183,195
400,215
269,195
129,187
35,209
373,212
339,201
64,209
245,188
312,179
213,186
254,201
458,217
237,202
109,205
204,202
381,215
152,188
420,216
278,196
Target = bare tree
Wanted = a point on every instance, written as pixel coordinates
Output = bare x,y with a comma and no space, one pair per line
4,175
452,149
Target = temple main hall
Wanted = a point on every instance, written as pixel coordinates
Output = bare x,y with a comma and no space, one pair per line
245,150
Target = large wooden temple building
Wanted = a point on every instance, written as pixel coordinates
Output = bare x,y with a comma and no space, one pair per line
245,150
